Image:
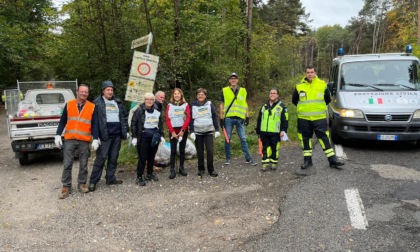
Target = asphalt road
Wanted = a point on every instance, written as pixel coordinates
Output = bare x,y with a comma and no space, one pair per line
317,213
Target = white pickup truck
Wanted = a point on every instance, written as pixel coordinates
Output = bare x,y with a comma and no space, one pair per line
32,122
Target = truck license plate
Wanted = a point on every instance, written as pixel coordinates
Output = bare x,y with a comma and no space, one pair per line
388,137
46,146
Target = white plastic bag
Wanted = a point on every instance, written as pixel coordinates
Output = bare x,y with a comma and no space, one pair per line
163,155
190,150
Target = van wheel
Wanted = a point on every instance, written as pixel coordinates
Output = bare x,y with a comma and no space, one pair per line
335,137
24,159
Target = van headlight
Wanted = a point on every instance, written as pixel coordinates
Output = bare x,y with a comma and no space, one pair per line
351,113
416,114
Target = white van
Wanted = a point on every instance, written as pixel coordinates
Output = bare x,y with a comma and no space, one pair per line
375,97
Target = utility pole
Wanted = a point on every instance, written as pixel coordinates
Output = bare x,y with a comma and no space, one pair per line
248,43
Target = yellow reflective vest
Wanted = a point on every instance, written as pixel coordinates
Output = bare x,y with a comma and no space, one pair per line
311,105
239,106
271,120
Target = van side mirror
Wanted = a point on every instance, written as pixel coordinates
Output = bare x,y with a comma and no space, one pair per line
331,88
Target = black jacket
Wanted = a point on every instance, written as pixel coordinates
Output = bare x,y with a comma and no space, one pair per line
138,120
101,123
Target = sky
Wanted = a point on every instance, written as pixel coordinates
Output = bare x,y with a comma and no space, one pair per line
324,12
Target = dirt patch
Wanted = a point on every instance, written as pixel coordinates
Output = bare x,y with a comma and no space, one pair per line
184,214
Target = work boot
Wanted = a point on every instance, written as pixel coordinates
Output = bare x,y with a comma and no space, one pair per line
64,193
173,174
83,188
182,171
265,167
92,187
335,163
213,174
307,162
114,182
140,181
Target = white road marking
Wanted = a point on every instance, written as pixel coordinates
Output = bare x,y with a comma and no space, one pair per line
356,210
339,151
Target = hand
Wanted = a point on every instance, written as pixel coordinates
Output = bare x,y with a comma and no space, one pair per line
162,141
246,122
216,134
57,141
128,135
173,135
222,123
192,136
179,139
95,144
134,141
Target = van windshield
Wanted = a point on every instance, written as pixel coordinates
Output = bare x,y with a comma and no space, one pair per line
386,75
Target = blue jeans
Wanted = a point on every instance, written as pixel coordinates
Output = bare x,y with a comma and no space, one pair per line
240,129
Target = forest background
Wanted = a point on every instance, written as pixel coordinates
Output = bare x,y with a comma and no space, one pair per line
199,42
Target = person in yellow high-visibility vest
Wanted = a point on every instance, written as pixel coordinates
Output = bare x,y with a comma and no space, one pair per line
272,125
311,97
234,112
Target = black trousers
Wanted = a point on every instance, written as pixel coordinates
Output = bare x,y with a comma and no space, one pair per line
174,143
206,141
307,128
146,155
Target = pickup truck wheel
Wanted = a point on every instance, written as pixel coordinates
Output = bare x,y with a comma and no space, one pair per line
24,159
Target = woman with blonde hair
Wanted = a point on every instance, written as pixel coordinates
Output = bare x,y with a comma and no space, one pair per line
146,129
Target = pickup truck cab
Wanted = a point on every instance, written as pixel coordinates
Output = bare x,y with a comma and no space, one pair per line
32,123
375,97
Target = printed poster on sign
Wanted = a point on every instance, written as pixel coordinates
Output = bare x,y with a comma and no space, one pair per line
137,87
144,65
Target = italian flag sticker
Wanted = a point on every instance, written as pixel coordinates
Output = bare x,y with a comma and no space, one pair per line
375,101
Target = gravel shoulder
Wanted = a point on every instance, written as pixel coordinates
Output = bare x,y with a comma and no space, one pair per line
184,214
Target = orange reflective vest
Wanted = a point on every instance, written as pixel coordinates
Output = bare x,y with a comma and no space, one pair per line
79,125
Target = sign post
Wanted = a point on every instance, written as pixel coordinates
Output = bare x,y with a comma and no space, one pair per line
142,73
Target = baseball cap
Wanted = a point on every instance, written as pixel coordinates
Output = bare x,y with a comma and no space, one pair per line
233,75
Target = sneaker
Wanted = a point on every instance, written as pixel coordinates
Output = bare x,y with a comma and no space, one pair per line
92,187
251,162
227,162
83,188
140,181
151,177
273,167
114,182
64,193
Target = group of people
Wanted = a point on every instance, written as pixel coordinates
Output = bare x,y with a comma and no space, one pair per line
105,121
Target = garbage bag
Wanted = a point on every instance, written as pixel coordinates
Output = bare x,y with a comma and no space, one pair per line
163,155
190,150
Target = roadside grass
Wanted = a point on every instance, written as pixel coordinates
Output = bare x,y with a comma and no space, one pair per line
128,155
